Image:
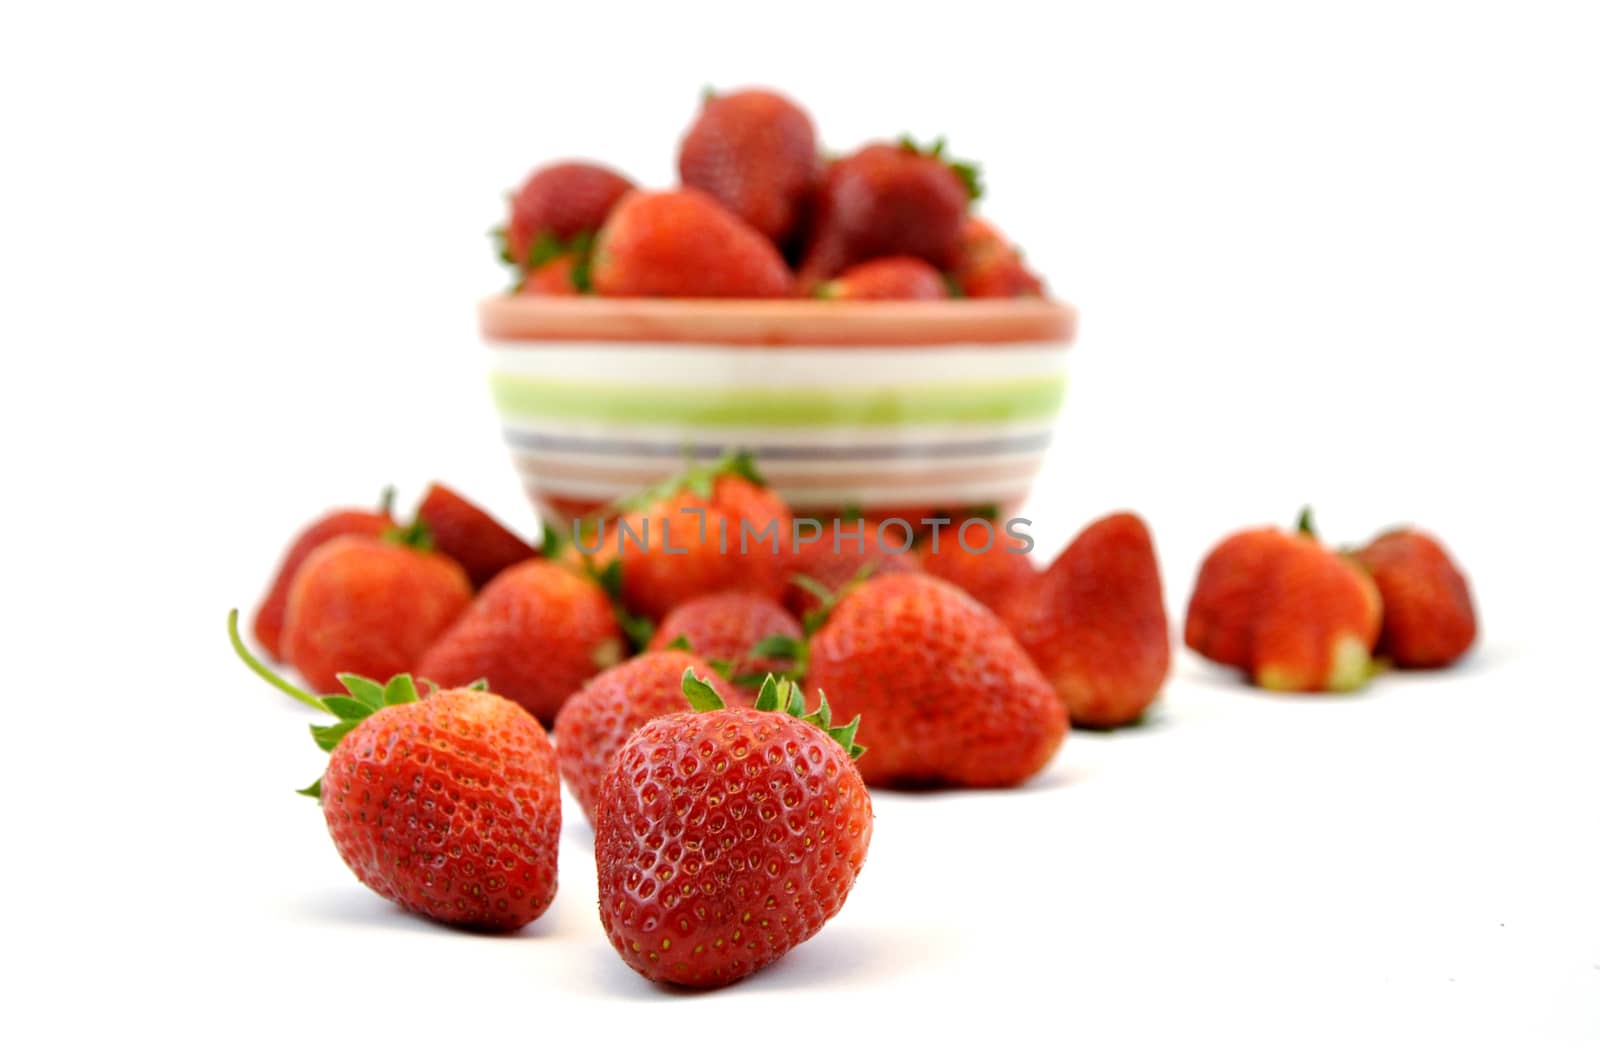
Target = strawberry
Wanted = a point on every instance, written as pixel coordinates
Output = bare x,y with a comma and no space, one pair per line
557,275
685,244
558,203
889,199
844,550
755,152
370,606
716,527
724,837
596,720
945,694
1289,612
895,277
268,627
995,576
536,633
1428,617
479,544
728,627
448,805
1095,624
989,267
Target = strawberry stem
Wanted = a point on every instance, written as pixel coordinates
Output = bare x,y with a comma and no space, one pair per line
266,673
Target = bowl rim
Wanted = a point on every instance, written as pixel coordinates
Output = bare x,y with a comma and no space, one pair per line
777,322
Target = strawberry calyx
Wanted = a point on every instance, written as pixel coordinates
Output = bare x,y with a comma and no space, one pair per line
361,699
699,480
1304,525
545,248
414,536
638,629
777,695
970,173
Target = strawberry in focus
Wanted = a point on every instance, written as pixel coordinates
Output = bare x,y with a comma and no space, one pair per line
989,267
945,695
1428,617
1096,625
597,720
888,199
727,628
898,277
559,203
536,633
685,244
476,541
755,152
726,836
449,805
369,606
268,626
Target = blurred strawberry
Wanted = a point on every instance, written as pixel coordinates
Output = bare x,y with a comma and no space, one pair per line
1428,617
728,626
268,627
536,633
369,606
989,267
995,576
755,152
895,277
558,203
889,199
1095,623
715,528
460,530
685,244
843,550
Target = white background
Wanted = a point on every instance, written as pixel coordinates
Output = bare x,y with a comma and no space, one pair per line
1346,255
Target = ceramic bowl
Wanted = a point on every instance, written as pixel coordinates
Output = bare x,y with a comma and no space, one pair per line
886,408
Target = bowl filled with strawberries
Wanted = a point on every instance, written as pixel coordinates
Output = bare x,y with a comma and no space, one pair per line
852,323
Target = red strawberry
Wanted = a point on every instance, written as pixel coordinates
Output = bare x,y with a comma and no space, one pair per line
946,695
1286,610
460,530
1428,617
1095,624
727,627
555,276
755,152
268,627
449,805
844,550
895,277
685,244
889,199
596,721
1224,603
714,528
535,633
724,837
369,606
559,202
982,565
989,267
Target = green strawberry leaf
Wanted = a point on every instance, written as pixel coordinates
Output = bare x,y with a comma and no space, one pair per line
785,646
698,480
415,535
1304,525
314,790
480,686
969,172
778,695
346,708
680,643
363,690
327,737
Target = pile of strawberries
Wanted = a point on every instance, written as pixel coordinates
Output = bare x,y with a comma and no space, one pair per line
762,214
693,683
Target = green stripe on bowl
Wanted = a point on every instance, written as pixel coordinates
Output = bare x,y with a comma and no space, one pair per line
517,395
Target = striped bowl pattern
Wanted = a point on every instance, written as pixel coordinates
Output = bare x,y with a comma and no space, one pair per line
885,408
